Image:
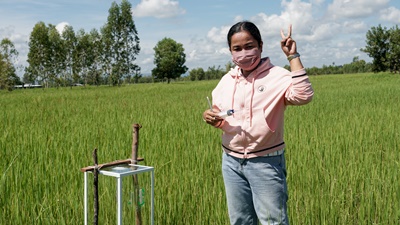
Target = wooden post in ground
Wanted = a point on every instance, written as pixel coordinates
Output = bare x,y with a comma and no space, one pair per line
96,189
135,144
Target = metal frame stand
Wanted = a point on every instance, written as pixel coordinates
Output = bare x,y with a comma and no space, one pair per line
120,172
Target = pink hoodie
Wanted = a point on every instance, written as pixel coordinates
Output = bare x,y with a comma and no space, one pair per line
259,101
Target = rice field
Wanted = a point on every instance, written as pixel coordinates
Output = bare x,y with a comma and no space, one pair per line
342,152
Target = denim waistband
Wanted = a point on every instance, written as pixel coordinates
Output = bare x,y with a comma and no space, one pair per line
276,153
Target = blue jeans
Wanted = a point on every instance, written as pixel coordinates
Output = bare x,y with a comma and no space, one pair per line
256,189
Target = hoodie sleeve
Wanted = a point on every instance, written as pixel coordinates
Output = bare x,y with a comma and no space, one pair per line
300,91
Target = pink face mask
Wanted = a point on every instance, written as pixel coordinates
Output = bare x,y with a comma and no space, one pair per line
247,59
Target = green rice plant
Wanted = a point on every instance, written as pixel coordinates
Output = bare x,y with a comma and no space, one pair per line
342,152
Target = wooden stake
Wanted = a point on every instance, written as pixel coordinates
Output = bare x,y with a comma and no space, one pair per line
135,144
96,189
109,164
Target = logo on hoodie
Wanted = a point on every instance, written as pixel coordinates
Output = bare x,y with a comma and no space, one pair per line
261,88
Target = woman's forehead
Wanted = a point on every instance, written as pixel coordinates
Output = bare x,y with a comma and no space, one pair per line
242,37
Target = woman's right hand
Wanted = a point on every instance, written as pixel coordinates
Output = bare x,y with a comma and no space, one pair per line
212,118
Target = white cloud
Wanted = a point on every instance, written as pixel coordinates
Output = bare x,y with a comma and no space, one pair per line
192,56
295,12
20,42
355,8
322,38
158,9
324,32
5,32
238,18
391,14
60,27
218,35
354,27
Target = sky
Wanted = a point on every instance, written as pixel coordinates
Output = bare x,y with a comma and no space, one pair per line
327,32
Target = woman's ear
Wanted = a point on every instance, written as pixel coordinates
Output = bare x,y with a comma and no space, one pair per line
261,46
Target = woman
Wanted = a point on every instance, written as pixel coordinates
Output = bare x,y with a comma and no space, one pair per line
253,161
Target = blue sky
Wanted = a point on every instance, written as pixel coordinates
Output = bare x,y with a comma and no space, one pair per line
326,31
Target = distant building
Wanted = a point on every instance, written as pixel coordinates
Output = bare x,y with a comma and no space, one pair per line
27,86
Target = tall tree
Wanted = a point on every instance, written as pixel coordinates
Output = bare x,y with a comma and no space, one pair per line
8,58
57,55
82,60
130,40
94,56
70,43
39,54
394,49
169,59
378,47
121,42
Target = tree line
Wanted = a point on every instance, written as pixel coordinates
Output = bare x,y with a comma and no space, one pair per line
356,66
96,57
104,57
108,56
382,45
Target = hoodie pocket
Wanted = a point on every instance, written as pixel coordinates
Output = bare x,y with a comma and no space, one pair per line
260,131
260,124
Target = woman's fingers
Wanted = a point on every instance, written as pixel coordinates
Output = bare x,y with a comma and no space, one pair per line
283,35
289,33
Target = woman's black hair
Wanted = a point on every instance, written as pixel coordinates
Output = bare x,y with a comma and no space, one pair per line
244,26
